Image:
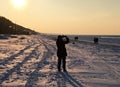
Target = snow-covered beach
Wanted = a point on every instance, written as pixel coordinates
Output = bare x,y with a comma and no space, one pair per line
31,61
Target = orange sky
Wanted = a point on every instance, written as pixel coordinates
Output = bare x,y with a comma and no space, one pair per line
66,16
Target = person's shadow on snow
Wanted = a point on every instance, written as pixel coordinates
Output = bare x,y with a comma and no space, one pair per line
64,77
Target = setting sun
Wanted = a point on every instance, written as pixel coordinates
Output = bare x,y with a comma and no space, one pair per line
18,3
65,16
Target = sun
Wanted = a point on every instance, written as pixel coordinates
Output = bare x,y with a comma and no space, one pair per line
19,3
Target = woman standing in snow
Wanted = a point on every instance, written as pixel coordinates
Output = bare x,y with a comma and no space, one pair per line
61,51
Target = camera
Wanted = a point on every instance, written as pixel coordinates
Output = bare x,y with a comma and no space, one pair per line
64,38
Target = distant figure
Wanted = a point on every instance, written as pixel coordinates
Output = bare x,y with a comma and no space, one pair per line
61,51
76,38
96,40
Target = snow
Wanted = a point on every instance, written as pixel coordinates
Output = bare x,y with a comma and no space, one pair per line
31,61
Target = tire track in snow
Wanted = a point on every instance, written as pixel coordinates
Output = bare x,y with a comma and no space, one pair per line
21,42
83,59
51,77
97,49
25,68
54,78
61,82
71,80
11,61
17,67
14,59
34,75
63,78
11,58
113,71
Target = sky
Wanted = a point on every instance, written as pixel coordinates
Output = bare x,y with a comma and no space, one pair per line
93,17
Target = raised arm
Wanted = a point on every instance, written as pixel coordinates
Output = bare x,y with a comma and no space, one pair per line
67,40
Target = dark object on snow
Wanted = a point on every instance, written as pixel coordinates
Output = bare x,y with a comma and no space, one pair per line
76,38
61,51
96,40
73,43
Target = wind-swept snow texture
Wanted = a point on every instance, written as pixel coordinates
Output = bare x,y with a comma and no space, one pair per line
31,61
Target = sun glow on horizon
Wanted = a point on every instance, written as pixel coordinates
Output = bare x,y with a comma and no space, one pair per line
19,3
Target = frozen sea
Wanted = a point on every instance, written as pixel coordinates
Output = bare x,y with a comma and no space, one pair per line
31,61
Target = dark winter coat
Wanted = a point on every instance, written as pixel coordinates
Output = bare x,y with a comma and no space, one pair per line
61,50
